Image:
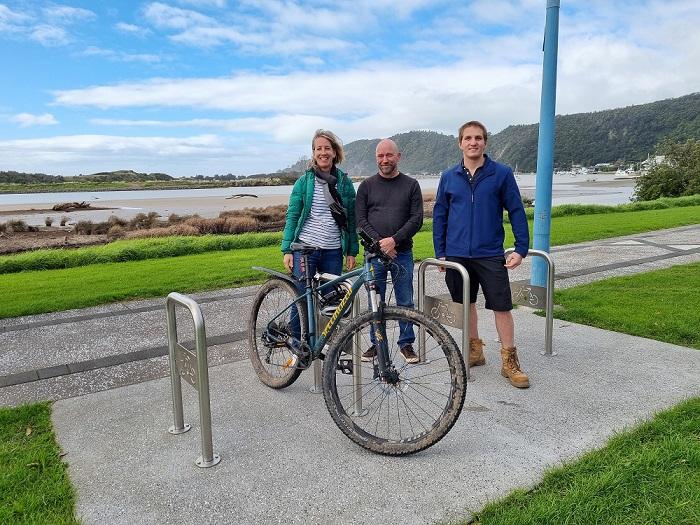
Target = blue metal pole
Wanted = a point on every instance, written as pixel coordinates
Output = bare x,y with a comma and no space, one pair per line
545,144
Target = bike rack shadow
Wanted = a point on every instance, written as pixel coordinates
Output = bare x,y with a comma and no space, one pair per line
182,365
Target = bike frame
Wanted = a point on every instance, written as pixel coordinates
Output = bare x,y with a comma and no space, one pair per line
365,277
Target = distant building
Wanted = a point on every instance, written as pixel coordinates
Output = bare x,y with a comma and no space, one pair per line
656,160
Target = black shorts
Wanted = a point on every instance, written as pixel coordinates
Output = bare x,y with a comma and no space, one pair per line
487,272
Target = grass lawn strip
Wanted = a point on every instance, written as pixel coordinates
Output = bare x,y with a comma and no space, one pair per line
650,475
656,305
35,292
566,229
56,290
34,485
133,250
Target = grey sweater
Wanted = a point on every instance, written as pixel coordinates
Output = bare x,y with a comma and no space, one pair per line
390,208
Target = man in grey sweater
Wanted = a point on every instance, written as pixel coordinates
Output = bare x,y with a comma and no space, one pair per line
389,207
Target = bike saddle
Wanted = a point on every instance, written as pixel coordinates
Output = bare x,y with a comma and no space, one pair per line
304,248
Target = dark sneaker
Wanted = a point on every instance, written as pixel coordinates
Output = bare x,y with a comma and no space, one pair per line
369,355
409,354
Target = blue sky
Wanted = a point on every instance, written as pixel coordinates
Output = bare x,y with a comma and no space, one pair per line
192,87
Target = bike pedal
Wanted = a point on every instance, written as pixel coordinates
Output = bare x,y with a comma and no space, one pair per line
344,366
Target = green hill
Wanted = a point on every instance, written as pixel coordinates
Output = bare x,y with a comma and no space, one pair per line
623,135
620,135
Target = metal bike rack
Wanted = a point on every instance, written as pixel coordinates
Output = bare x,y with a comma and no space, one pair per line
549,307
182,365
447,312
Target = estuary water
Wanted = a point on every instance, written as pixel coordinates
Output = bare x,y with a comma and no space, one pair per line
208,202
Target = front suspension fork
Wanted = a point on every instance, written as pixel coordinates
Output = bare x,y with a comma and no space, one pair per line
387,372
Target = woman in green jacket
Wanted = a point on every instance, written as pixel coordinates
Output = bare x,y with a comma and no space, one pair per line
309,219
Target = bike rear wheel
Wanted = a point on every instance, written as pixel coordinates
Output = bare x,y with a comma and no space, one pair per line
275,366
406,417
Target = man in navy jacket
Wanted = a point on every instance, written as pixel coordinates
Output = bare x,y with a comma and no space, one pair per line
468,229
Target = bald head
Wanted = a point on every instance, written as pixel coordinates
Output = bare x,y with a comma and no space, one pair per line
388,156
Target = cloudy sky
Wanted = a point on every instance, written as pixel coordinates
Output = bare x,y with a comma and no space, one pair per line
216,86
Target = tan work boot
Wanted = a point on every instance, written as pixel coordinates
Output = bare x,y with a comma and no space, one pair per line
511,368
476,352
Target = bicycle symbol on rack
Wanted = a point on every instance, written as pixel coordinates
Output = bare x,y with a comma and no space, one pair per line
440,312
526,296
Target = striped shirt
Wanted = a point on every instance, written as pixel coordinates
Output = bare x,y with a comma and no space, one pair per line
320,229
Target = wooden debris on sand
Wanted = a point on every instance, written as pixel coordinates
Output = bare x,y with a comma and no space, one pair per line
71,206
239,195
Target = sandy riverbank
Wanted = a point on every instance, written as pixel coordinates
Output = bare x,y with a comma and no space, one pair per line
126,209
607,191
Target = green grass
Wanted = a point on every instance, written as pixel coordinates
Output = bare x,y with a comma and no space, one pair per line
657,305
582,228
565,229
34,485
33,292
55,290
563,210
650,475
133,250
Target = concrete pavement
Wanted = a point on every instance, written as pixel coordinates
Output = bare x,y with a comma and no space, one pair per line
283,459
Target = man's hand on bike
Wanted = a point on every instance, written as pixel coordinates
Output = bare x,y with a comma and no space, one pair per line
288,261
388,246
513,261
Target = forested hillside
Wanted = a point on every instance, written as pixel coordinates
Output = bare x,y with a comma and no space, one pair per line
624,134
621,135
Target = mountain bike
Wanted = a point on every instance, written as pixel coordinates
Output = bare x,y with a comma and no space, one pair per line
385,405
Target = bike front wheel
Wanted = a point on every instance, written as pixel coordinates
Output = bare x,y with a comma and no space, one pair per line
275,365
416,411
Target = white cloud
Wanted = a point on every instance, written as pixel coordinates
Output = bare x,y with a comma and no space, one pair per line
270,35
131,29
361,102
167,17
72,154
67,15
49,35
204,3
27,119
47,26
81,147
120,56
8,16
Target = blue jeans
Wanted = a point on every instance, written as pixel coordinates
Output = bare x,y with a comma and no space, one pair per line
401,270
328,261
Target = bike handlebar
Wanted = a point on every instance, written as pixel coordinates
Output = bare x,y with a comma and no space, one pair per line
371,246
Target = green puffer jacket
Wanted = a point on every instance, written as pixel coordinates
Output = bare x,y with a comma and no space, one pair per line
300,207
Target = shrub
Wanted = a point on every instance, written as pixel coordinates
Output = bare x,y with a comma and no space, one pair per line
117,221
48,221
17,226
115,232
142,221
174,218
240,224
83,227
64,220
166,231
678,175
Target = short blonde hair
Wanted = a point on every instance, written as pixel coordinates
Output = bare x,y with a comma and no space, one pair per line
336,144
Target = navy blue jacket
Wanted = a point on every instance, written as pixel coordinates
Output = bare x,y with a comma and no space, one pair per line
468,218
